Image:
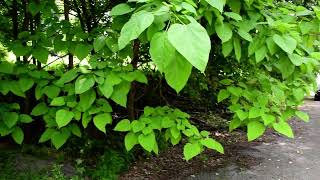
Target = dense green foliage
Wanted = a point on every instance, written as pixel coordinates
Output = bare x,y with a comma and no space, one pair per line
259,57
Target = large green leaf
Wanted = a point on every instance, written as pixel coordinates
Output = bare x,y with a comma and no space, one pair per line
147,141
285,42
212,144
120,93
99,43
161,51
82,51
223,94
25,84
224,31
283,128
10,118
60,138
218,4
83,84
121,9
138,22
51,91
63,117
191,150
40,109
87,99
178,72
107,87
68,76
302,115
58,101
47,135
41,54
130,140
255,130
17,135
285,66
192,42
237,48
124,125
101,120
24,118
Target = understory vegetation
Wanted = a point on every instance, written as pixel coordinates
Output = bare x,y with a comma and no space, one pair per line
106,83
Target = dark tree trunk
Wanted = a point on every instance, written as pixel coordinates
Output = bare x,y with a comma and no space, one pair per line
132,93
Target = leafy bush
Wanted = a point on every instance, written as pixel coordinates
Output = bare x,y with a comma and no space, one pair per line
260,57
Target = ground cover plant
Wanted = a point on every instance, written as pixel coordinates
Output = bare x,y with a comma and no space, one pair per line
112,70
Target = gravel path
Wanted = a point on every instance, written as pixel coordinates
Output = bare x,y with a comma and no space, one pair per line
282,159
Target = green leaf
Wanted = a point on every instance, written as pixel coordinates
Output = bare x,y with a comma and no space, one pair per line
245,35
24,118
57,101
138,22
120,93
192,42
223,94
59,138
137,126
302,115
254,112
236,91
83,84
191,150
178,66
242,115
233,15
218,4
17,135
298,94
25,84
68,77
86,118
99,43
34,8
63,117
285,42
121,9
6,67
260,54
227,48
130,140
189,8
285,66
10,119
87,99
123,126
296,59
82,51
41,54
255,130
147,141
40,109
234,124
283,128
20,50
224,31
51,91
212,144
75,130
101,120
46,135
161,51
107,87
268,119
237,48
